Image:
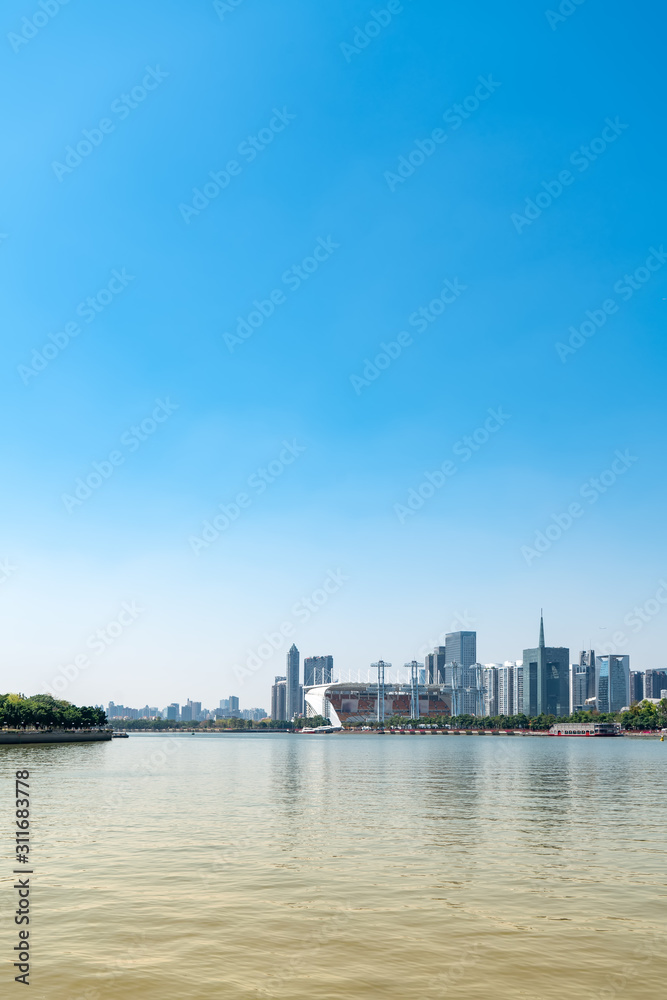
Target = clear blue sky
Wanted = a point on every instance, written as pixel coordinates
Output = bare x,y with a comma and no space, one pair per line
332,111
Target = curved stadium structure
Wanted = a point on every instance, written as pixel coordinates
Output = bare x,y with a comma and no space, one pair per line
345,703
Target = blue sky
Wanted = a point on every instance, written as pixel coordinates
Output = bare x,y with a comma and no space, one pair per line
334,108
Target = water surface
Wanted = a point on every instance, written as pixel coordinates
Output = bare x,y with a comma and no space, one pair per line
331,867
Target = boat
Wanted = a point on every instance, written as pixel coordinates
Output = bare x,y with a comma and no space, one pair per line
120,736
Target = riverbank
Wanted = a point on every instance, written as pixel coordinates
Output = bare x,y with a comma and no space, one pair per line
27,736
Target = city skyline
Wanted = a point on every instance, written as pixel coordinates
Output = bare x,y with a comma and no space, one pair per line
255,684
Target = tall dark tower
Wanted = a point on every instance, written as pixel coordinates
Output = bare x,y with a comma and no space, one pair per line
293,698
546,678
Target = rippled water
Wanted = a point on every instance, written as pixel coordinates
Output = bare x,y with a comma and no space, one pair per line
343,867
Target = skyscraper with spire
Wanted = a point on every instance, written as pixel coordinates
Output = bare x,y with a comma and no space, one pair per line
546,678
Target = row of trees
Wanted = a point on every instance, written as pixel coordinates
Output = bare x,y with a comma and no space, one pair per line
46,712
641,716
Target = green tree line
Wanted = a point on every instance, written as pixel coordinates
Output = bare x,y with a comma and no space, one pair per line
46,712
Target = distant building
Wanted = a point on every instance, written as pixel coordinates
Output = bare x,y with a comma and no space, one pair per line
317,670
294,695
233,705
467,689
344,702
186,713
582,680
654,682
490,680
461,648
517,688
636,685
546,679
279,700
173,711
505,680
613,682
434,666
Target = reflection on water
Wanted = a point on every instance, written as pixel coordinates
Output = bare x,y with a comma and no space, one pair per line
344,866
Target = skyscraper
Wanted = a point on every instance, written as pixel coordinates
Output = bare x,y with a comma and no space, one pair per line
279,699
546,679
654,682
613,682
317,670
582,681
461,648
505,675
435,665
636,685
490,680
294,699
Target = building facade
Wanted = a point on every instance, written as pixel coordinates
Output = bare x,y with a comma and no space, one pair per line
461,648
636,685
279,700
582,681
347,703
317,670
546,679
490,680
613,682
294,700
655,681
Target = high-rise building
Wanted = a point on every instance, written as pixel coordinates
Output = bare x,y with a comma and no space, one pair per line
636,685
613,682
517,687
173,711
467,688
461,648
279,699
490,680
317,670
195,709
546,679
233,705
294,694
582,681
505,674
654,682
186,713
434,666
